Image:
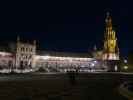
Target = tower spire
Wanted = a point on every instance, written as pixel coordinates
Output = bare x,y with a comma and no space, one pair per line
110,41
34,42
95,48
18,38
108,22
108,13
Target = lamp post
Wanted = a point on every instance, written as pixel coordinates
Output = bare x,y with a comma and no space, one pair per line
125,67
125,64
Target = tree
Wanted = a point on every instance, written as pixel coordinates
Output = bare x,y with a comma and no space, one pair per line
121,63
130,59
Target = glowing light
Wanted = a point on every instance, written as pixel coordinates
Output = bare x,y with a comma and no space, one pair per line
92,64
46,57
116,67
125,67
5,54
95,61
125,61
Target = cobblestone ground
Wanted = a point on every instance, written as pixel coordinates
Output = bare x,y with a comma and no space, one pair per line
62,87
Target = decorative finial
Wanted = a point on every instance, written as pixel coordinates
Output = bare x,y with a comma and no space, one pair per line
18,38
34,42
107,13
95,48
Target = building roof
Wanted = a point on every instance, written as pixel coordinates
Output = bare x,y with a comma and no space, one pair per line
4,46
64,54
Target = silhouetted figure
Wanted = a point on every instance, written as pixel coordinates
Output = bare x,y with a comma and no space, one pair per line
72,77
77,70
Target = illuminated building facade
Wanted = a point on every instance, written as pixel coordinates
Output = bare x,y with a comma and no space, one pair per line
19,58
62,62
6,62
24,57
111,50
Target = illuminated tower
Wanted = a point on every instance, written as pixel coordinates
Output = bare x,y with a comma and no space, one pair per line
111,50
25,54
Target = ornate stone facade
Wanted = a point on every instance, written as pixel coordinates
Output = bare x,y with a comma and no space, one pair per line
111,50
24,57
25,54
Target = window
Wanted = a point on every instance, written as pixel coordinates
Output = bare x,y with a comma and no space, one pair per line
21,65
26,64
22,49
22,55
26,49
31,50
30,57
10,63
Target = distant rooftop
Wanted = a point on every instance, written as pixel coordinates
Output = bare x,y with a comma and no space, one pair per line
63,54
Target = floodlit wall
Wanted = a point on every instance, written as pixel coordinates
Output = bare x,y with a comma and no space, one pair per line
51,64
63,64
25,54
6,62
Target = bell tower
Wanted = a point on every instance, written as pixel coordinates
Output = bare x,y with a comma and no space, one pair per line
111,50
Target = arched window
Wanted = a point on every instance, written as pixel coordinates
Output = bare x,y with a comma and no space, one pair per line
26,64
22,49
10,63
26,49
31,49
21,65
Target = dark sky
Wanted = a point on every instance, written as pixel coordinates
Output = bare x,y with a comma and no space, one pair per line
68,26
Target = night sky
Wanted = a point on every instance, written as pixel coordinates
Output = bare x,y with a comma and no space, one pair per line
68,26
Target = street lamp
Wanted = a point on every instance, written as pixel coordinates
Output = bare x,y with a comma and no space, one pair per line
125,64
116,67
125,67
92,64
125,61
95,61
